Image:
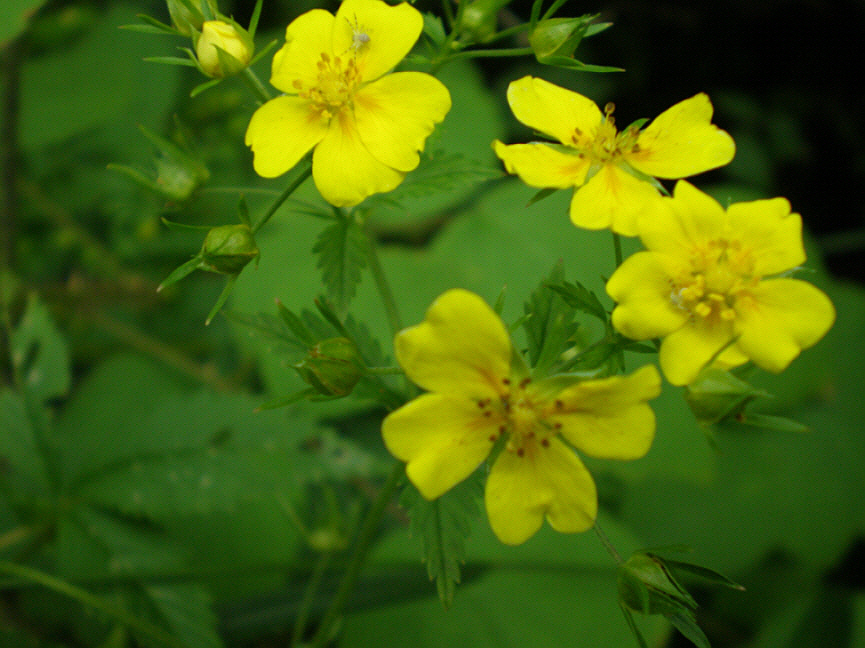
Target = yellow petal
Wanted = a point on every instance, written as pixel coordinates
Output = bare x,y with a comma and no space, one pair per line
692,219
682,141
770,232
552,110
344,171
686,351
610,418
376,34
306,38
396,114
281,132
613,198
781,317
549,482
442,438
461,347
646,306
540,165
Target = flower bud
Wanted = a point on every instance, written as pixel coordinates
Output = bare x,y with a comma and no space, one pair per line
223,48
558,37
479,18
717,395
332,367
647,585
227,249
186,15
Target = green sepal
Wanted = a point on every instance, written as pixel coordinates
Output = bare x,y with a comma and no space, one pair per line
718,395
539,196
220,301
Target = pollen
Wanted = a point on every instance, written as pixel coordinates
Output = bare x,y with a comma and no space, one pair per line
721,272
337,80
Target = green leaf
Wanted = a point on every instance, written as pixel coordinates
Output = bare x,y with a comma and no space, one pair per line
39,353
443,526
577,296
24,475
14,15
549,324
440,172
341,250
687,625
93,543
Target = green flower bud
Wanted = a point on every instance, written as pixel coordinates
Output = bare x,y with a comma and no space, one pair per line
332,367
223,48
186,15
227,249
554,40
479,18
647,585
717,395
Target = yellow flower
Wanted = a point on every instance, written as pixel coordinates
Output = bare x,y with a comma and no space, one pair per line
461,353
220,35
367,126
712,284
613,172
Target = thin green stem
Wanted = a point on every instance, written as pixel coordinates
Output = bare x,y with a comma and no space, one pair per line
506,33
91,600
309,594
617,247
361,550
384,371
607,544
301,172
482,53
252,82
381,283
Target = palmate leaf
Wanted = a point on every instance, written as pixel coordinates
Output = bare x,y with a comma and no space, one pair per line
342,251
443,526
440,172
548,323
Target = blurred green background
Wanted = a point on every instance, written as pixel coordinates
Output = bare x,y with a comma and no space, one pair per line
131,463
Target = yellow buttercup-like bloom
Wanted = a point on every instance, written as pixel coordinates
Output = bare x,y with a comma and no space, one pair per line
367,126
613,172
461,354
712,284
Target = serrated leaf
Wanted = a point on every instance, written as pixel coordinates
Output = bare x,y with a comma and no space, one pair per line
549,323
581,298
443,526
341,250
440,172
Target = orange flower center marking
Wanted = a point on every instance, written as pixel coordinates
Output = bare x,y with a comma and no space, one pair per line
337,81
521,415
606,144
721,272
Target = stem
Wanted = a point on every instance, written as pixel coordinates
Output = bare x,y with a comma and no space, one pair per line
308,599
383,287
252,82
607,544
510,31
302,171
383,371
91,600
361,550
490,53
617,246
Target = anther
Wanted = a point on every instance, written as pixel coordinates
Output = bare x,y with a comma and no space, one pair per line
524,382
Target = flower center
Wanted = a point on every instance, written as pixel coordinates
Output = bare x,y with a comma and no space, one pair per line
521,415
720,273
337,80
606,144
